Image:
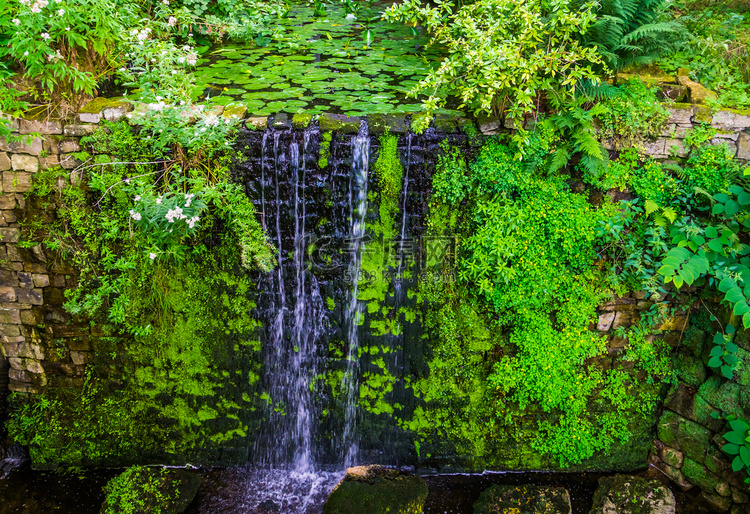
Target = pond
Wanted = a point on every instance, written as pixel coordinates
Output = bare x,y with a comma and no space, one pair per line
321,64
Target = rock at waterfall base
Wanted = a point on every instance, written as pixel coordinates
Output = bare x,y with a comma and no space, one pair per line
376,490
142,489
531,499
623,494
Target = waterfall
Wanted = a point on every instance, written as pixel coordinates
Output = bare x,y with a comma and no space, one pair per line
292,357
358,213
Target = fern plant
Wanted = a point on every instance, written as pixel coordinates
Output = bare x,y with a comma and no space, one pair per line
630,33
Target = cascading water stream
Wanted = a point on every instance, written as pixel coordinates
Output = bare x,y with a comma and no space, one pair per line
292,358
358,213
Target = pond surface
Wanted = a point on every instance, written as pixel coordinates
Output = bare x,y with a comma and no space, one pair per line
321,64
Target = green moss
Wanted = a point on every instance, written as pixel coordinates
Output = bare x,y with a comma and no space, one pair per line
301,120
324,150
153,490
380,490
97,105
697,474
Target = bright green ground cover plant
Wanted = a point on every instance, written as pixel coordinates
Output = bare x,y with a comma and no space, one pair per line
528,259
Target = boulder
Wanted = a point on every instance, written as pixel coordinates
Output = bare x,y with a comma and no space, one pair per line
376,490
624,494
531,499
142,489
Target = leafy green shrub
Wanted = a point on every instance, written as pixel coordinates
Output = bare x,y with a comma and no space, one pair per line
503,54
630,33
652,182
496,169
711,168
388,167
738,444
723,355
632,116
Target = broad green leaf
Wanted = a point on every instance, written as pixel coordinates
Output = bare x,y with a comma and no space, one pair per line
726,284
745,455
714,362
727,372
731,449
715,245
677,281
731,208
734,295
746,320
718,208
741,308
739,425
711,232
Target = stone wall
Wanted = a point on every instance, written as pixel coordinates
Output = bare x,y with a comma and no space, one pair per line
39,339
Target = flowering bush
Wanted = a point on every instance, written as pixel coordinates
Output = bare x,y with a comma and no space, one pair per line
167,220
66,46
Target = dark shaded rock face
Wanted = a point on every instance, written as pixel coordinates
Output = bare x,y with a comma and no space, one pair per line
623,494
531,499
141,489
375,490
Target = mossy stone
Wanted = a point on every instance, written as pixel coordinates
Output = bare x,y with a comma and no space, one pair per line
382,123
376,490
97,105
142,489
530,499
699,475
281,121
445,123
256,123
236,111
339,123
623,494
689,369
694,439
301,120
667,428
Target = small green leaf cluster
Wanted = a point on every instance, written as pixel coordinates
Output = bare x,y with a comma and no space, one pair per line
723,355
388,167
738,444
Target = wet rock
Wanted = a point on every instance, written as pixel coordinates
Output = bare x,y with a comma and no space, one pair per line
339,123
624,494
375,490
382,123
531,499
142,489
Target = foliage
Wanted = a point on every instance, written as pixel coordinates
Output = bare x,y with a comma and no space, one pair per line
723,354
738,444
504,55
66,47
451,181
631,33
633,115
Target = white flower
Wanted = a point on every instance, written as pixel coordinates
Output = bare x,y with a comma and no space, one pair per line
36,9
165,2
67,28
45,36
135,215
152,256
191,222
172,21
173,214
181,59
134,32
25,2
26,53
16,21
212,120
188,199
137,198
351,16
127,181
61,12
192,59
158,200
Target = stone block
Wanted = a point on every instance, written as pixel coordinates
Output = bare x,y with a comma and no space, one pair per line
40,280
24,145
10,235
256,123
79,344
30,296
58,280
23,162
681,115
19,375
488,125
697,474
676,147
7,201
625,319
671,456
17,182
339,123
25,280
40,127
90,117
69,146
234,112
740,496
79,130
743,146
68,162
605,321
7,294
715,502
728,120
678,323
10,330
380,123
698,93
656,149
50,161
4,161
21,387
78,358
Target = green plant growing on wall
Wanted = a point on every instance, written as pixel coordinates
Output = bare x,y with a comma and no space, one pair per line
738,444
723,355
